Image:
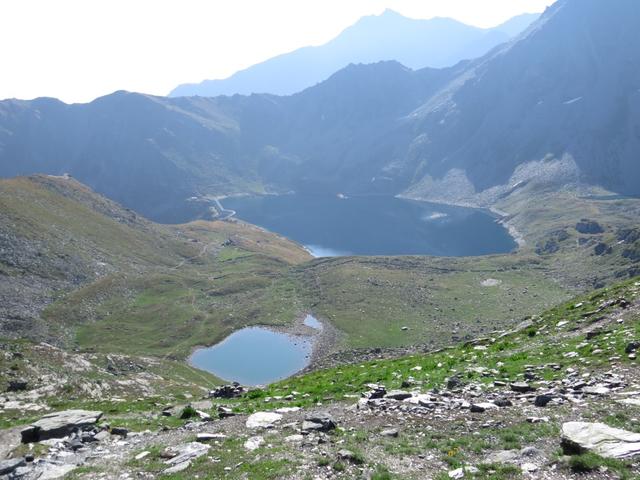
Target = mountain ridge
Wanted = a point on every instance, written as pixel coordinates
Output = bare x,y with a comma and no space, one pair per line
436,43
475,131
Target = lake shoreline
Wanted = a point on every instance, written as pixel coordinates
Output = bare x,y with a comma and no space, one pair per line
421,229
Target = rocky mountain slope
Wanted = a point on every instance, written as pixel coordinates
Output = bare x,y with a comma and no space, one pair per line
436,43
555,398
58,238
540,108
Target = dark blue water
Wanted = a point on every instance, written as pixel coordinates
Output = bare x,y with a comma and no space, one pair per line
375,225
255,356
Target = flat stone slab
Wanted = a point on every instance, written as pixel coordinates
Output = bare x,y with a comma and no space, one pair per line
59,425
188,452
263,419
601,439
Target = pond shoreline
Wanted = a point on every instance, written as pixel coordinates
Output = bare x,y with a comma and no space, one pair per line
322,342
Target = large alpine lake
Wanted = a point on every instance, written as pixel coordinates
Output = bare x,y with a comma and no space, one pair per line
375,225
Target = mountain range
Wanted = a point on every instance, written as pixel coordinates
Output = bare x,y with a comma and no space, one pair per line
436,43
559,103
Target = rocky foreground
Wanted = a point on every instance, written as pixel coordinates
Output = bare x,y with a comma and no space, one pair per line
559,398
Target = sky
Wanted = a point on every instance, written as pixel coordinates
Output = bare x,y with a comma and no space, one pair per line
77,50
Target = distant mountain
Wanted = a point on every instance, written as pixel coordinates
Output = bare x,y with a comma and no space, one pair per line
558,104
564,96
436,43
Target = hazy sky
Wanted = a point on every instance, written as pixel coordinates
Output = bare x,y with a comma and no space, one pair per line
77,50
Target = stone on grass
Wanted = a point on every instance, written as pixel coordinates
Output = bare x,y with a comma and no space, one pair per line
59,425
142,455
320,422
349,456
186,453
263,419
253,443
580,437
462,471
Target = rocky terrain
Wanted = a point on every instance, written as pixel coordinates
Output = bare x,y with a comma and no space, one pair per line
557,398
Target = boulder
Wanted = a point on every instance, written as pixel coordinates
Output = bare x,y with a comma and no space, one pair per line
319,422
263,419
59,425
579,437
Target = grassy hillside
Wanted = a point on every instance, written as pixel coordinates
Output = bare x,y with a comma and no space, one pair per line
79,270
583,341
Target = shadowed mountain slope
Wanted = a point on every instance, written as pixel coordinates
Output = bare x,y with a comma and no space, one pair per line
558,104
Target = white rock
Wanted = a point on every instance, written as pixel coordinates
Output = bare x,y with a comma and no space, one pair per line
263,419
207,437
600,439
188,452
460,472
287,409
596,390
142,455
177,468
253,443
294,439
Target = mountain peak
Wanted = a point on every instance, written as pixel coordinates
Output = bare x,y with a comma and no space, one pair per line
389,13
436,43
